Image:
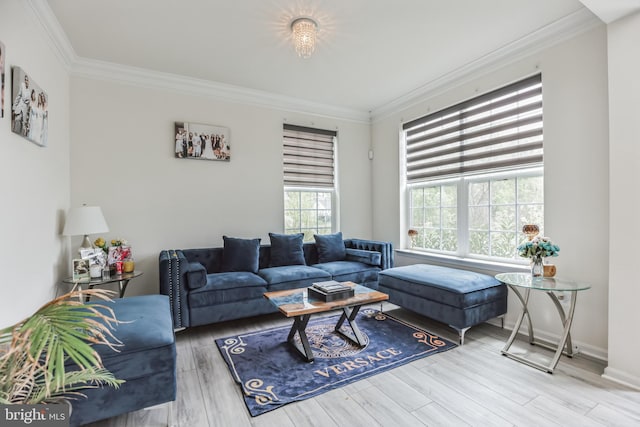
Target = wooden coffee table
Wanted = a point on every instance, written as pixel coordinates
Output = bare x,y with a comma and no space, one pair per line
297,304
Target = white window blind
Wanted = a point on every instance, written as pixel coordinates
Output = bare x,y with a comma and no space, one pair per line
500,130
308,157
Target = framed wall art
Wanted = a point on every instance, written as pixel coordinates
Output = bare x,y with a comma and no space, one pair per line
202,142
29,108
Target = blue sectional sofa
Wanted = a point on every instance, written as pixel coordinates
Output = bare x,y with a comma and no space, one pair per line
225,283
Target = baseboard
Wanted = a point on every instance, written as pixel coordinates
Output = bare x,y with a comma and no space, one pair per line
621,377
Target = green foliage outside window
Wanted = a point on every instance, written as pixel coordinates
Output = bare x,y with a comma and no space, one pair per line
497,210
308,212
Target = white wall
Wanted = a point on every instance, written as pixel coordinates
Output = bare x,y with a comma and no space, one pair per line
34,181
624,289
576,173
123,160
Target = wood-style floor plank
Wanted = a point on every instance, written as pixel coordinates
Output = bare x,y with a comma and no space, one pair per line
472,385
386,411
434,415
344,410
440,391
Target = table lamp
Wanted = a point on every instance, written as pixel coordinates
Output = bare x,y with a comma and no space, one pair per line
85,220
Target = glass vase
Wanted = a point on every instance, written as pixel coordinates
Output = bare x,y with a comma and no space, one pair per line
537,269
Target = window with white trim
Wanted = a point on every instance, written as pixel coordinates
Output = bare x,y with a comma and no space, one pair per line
309,180
474,173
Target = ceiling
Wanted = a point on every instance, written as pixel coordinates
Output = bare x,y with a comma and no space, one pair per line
369,53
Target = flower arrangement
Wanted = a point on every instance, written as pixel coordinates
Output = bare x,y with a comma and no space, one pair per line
538,247
118,242
102,244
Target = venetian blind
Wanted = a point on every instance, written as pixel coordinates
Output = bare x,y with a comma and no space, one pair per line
499,130
308,156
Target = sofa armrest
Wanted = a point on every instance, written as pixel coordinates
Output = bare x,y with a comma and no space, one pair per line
196,275
365,257
384,248
173,267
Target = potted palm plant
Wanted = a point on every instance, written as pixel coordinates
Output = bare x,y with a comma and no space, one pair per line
37,354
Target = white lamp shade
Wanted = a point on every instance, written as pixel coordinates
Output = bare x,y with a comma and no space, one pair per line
85,220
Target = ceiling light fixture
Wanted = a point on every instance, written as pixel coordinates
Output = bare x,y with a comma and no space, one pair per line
304,31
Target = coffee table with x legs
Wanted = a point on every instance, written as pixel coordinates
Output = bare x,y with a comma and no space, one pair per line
297,304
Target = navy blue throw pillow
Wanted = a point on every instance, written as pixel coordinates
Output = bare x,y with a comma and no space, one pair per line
330,247
286,249
240,254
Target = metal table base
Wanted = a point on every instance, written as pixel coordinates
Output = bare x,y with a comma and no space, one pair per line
300,324
564,345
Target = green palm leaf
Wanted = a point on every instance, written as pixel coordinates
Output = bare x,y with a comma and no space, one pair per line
36,353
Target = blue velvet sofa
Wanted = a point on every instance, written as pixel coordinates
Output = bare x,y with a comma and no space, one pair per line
146,361
225,283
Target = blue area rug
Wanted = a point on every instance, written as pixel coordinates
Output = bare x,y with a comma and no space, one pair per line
272,373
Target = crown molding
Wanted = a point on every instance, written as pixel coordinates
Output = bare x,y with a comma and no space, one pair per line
563,29
141,77
53,30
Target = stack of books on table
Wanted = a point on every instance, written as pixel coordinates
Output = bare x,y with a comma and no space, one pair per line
330,291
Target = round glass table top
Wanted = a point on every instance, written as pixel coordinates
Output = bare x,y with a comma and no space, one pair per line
525,280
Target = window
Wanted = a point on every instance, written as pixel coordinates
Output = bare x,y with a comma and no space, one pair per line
309,181
474,173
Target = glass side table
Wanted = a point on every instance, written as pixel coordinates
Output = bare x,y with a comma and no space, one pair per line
524,281
121,279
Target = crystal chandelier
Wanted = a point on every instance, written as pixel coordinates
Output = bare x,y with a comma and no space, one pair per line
304,36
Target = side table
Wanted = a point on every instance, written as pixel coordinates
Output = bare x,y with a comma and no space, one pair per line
516,281
122,279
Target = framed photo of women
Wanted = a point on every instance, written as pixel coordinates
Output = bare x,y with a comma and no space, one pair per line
29,108
201,142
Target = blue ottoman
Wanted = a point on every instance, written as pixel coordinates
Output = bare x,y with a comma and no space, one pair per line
146,361
459,298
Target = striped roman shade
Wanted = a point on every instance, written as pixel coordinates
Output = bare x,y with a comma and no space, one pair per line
500,130
308,157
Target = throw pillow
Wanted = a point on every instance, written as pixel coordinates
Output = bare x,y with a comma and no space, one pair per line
330,247
286,249
240,254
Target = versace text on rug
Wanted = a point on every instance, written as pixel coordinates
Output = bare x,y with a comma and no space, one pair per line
271,373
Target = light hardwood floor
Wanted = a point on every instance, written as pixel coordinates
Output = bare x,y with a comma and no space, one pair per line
472,385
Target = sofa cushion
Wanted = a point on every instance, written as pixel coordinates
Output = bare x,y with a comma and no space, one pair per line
228,287
196,275
286,249
366,257
350,271
330,247
240,254
292,273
